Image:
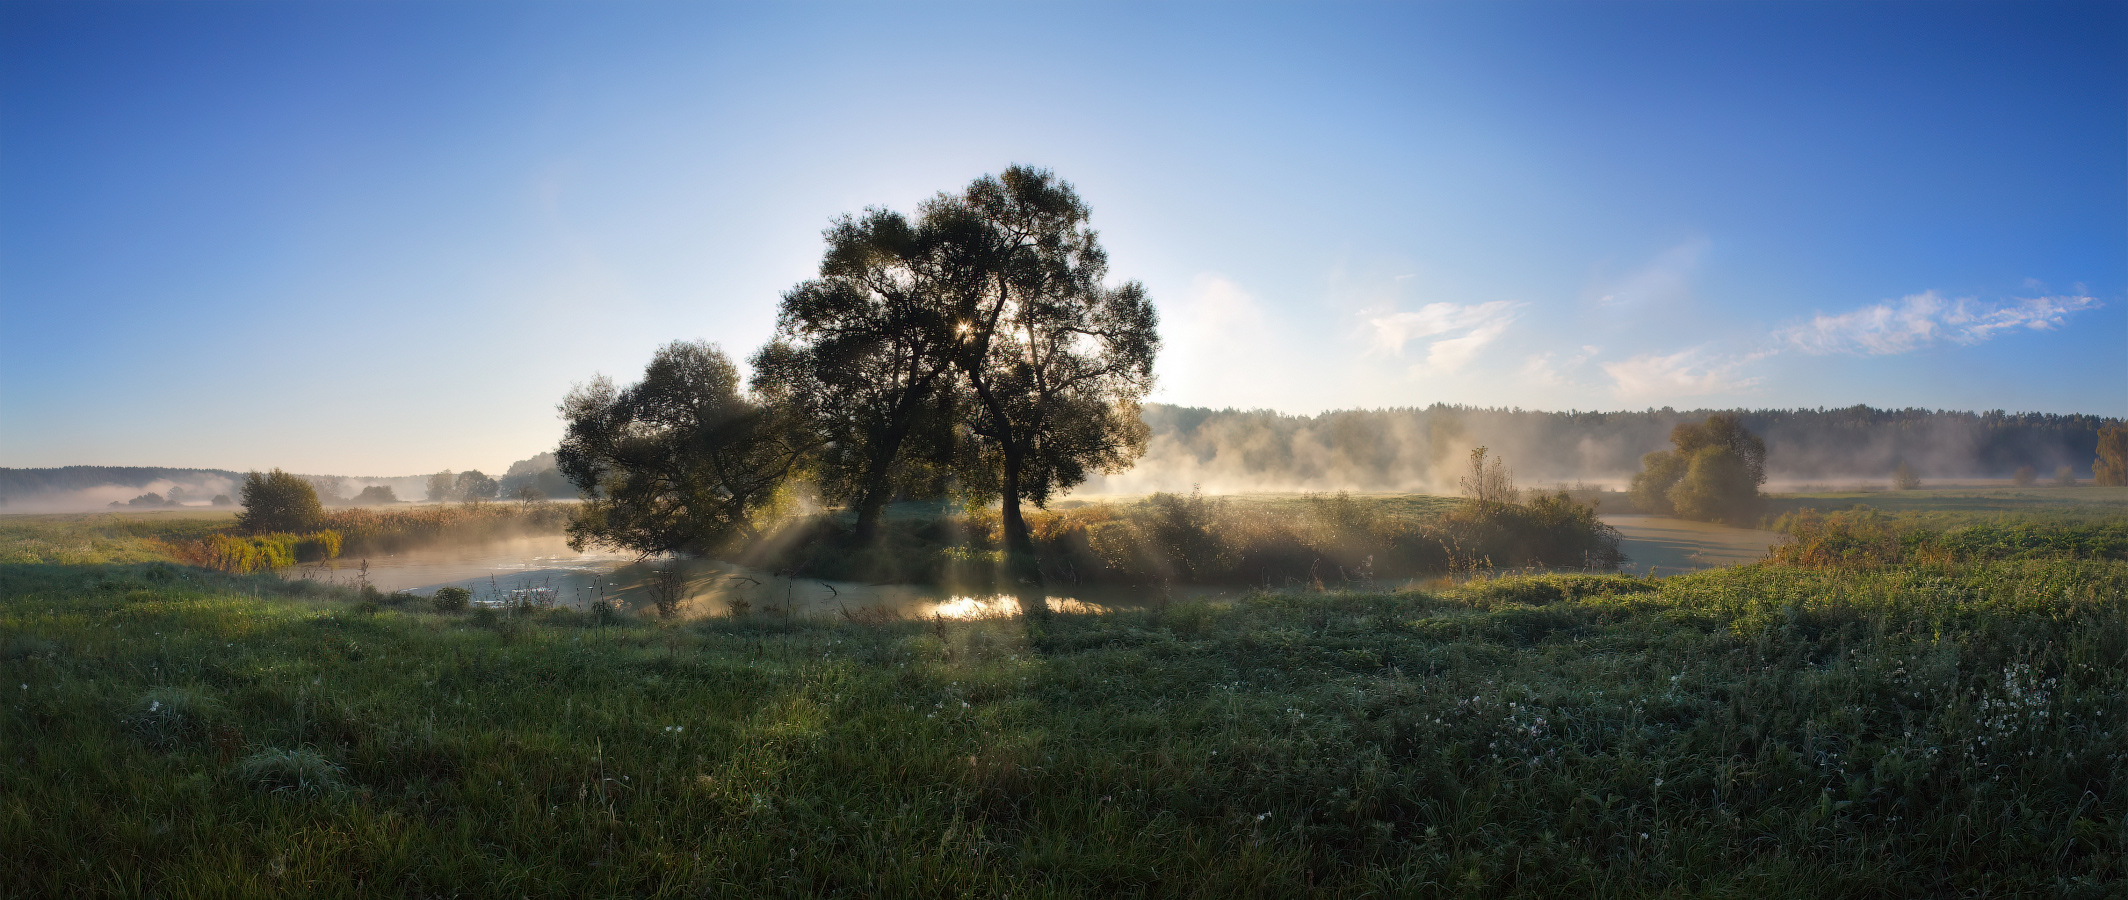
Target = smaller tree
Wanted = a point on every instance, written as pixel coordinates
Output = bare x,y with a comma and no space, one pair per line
1713,474
1659,472
2065,476
474,486
1903,477
2025,476
681,460
1717,487
276,502
148,499
443,487
530,494
2111,467
376,495
1489,481
176,496
222,500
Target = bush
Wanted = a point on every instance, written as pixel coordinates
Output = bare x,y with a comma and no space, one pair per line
279,502
451,599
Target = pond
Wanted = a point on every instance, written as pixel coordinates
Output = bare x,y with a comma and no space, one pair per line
543,570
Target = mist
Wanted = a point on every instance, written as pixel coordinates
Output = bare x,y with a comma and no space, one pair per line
1426,450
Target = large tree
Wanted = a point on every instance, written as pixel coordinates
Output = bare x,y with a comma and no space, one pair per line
681,460
1054,361
860,358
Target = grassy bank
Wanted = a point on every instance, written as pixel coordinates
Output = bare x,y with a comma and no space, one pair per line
1764,731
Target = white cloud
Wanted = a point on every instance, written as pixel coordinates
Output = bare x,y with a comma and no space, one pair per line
1919,320
1687,373
1479,323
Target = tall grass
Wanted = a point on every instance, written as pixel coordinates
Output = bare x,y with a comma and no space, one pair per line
1943,729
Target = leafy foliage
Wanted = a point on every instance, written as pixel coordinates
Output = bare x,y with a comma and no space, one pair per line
1712,475
1056,361
678,461
278,502
2111,467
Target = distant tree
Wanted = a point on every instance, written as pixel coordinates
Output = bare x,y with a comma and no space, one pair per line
2111,467
1659,472
2065,476
148,499
529,494
678,461
443,487
1903,477
1054,361
330,488
2025,476
376,495
1713,474
860,357
222,500
276,502
176,496
474,486
1489,481
1717,487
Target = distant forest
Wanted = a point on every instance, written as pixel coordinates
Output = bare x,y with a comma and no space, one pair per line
1423,449
67,479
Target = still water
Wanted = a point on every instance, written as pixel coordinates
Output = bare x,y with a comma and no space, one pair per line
543,569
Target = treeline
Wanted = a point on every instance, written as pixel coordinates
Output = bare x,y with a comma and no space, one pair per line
1421,448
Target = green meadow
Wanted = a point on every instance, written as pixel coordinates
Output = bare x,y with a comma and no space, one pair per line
1924,728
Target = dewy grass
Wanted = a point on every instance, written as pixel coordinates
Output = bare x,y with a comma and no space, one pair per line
1951,729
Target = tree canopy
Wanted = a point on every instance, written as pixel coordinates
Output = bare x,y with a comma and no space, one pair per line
859,360
681,460
1054,360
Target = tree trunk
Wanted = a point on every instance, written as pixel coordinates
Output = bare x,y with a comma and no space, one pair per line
1019,545
872,500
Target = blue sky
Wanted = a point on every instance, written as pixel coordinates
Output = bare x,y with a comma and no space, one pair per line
383,238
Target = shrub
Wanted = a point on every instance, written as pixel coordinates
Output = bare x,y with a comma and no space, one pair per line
279,502
298,771
451,599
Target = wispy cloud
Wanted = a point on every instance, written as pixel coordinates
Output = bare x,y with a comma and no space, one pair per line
1920,320
1687,373
1473,326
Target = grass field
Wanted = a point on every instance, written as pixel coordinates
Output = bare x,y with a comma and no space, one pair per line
1917,730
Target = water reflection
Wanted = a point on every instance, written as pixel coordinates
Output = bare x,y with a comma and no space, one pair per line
543,570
